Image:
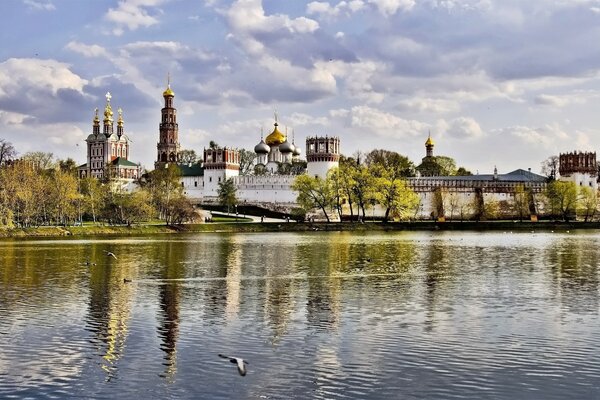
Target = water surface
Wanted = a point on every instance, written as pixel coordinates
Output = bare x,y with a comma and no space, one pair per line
320,315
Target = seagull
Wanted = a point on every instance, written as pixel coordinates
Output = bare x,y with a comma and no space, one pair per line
110,254
240,363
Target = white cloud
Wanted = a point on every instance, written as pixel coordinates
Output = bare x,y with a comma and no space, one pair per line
18,75
132,14
429,105
325,9
247,19
301,119
462,128
391,7
87,50
39,5
384,124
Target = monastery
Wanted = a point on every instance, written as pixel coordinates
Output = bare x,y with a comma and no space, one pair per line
278,162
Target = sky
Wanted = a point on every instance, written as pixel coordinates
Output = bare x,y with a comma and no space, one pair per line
503,83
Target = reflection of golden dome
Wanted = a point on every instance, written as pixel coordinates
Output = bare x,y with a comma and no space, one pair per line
168,92
429,142
275,138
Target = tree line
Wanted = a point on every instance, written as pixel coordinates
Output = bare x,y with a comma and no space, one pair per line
38,190
378,179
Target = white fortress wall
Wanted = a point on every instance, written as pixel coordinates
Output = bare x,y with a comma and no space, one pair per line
266,188
581,180
193,187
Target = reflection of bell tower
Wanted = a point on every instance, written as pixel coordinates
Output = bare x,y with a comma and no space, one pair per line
168,144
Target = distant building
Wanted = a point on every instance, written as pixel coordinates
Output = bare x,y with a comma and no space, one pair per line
579,167
108,151
168,140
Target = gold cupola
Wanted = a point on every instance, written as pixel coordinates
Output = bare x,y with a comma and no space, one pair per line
168,92
275,138
429,141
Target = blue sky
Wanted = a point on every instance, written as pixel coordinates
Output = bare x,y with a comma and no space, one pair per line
496,82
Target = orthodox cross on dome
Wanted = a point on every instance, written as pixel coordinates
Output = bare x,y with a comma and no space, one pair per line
169,79
108,97
276,116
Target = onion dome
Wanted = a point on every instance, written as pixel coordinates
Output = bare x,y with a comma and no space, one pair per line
168,92
275,138
429,141
286,147
96,117
297,151
262,148
91,137
120,120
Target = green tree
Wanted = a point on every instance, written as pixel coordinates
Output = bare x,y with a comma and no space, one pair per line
588,203
462,171
396,164
134,207
63,196
562,198
364,187
69,166
392,193
91,190
521,202
164,187
314,192
227,193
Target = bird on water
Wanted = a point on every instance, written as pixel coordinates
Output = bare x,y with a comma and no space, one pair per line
241,363
110,254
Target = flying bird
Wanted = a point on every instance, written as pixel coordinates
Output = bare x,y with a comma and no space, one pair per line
241,363
110,254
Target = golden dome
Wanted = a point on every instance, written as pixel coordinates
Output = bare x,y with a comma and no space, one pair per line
429,142
168,92
275,138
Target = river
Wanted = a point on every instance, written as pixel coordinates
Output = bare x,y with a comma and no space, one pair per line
319,315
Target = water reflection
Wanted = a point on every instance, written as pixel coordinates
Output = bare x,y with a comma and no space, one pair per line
357,315
109,308
574,267
170,257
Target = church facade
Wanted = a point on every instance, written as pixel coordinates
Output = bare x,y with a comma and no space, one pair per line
108,151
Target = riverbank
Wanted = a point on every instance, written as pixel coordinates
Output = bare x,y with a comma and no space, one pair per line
137,230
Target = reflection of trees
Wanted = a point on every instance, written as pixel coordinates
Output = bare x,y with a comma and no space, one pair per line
278,288
108,310
437,270
574,271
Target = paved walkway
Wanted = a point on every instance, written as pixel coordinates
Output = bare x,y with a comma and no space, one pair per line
253,217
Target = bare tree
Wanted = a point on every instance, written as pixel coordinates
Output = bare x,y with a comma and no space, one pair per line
550,167
7,151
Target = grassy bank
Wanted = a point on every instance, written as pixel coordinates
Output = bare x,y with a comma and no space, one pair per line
96,230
